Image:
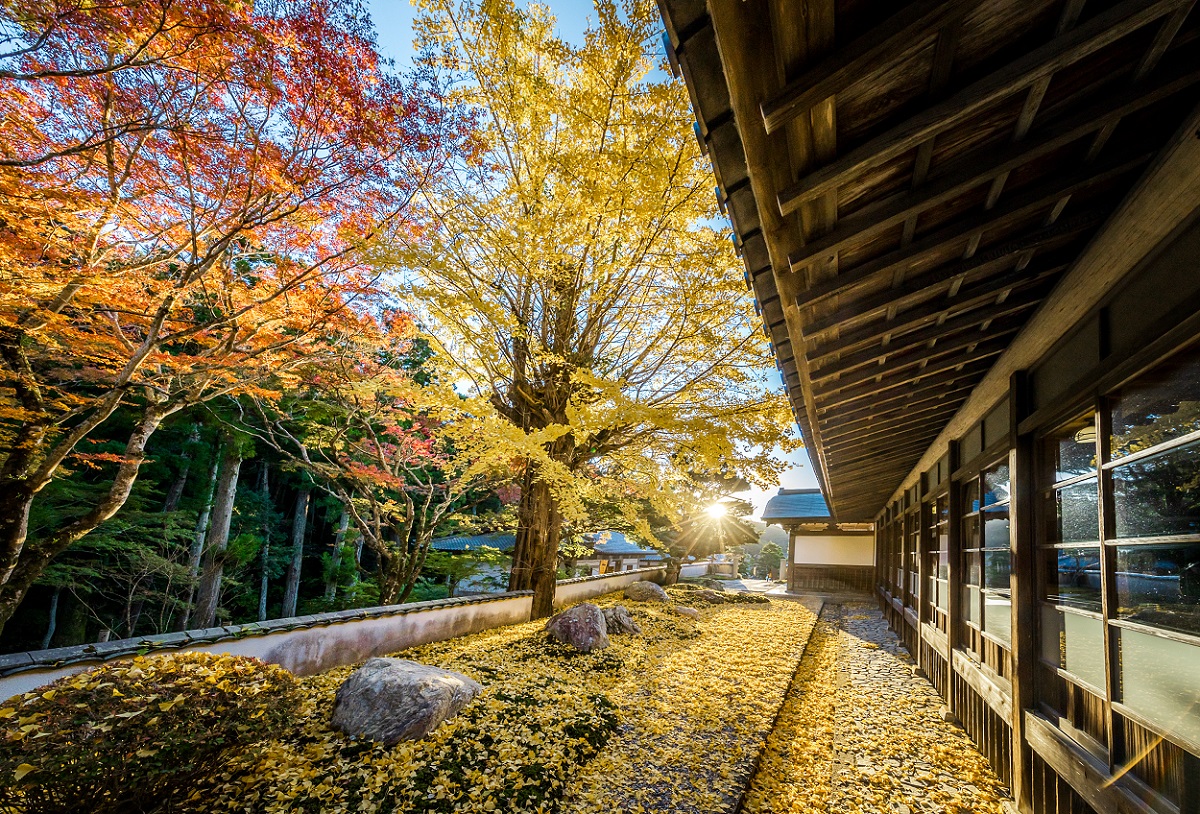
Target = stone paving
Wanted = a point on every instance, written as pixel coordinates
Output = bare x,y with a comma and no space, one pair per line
860,733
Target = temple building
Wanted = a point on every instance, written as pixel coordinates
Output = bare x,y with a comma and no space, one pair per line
972,231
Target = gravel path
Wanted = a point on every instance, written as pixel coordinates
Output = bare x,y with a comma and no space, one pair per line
860,733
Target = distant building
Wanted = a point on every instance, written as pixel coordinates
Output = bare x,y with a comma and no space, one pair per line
501,541
823,555
613,551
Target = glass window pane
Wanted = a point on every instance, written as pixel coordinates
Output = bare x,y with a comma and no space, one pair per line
997,567
1073,514
1158,680
1073,448
941,593
1162,404
1073,576
971,568
995,527
970,603
970,532
941,568
1160,585
1159,495
970,496
1075,643
997,616
995,484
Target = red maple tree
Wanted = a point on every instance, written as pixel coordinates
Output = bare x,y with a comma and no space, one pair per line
186,190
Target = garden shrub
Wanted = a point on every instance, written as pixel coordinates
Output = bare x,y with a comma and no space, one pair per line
126,736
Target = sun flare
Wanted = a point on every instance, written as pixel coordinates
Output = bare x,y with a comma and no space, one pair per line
717,510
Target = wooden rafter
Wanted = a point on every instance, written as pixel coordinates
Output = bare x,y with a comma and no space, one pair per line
1011,309
833,75
958,370
896,373
972,170
1020,207
1098,32
851,419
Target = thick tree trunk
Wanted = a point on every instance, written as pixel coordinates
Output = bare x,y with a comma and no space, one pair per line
335,560
208,594
196,553
674,566
291,589
265,553
520,577
541,522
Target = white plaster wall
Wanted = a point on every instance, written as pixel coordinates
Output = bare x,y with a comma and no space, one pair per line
833,549
571,591
311,650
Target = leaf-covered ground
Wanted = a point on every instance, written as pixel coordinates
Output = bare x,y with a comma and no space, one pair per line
669,721
860,733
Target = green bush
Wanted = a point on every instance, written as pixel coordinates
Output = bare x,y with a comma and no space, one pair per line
127,736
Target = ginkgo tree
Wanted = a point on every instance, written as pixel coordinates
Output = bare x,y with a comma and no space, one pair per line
185,187
577,274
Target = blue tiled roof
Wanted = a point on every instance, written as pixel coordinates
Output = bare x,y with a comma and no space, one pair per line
614,542
796,504
501,541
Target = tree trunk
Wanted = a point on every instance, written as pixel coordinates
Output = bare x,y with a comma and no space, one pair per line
335,561
265,552
176,491
520,577
197,550
542,523
291,590
208,594
53,623
674,566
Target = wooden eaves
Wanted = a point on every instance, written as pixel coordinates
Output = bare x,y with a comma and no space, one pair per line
909,184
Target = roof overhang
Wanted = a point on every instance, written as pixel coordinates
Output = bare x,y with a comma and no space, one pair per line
910,184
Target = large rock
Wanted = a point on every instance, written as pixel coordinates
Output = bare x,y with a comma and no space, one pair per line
583,627
646,592
618,620
393,700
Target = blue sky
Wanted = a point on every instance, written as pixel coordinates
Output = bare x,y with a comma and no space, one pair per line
393,26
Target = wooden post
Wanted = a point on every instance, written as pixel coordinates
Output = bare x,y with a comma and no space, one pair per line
1021,511
954,605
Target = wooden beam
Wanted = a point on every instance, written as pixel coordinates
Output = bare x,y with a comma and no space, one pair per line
981,354
835,442
931,416
1019,207
864,415
934,361
1010,308
968,299
935,384
838,72
889,301
884,454
972,170
912,358
1098,32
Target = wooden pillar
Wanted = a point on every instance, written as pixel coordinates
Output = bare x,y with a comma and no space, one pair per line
1108,570
955,582
925,545
1022,513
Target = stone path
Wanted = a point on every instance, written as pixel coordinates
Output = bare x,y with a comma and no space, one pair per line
860,733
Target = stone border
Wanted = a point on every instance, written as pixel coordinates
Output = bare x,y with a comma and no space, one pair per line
314,643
